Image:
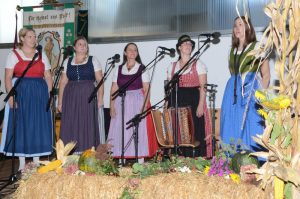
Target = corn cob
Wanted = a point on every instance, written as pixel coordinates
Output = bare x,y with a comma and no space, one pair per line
278,188
50,167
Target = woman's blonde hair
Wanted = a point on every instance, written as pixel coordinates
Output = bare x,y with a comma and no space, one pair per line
22,33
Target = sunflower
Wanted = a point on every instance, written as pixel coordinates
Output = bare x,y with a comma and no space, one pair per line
235,178
260,95
263,113
206,170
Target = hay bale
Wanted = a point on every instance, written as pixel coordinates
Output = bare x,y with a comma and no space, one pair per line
173,185
194,185
51,185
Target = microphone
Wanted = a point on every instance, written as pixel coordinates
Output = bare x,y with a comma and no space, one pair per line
38,53
68,51
115,57
39,48
171,50
214,34
212,85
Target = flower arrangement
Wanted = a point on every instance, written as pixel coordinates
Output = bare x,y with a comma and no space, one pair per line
173,164
220,167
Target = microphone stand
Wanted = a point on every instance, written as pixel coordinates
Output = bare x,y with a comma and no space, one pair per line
212,105
94,93
174,83
122,92
13,93
134,122
105,75
52,100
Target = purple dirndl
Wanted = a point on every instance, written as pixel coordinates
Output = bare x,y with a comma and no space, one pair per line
133,103
79,121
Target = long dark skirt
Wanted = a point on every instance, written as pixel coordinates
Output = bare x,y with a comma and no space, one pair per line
79,118
33,126
190,97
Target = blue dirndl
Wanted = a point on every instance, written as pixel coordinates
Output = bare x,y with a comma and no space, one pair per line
232,115
33,125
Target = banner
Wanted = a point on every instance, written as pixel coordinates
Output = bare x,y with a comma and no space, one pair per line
82,24
54,29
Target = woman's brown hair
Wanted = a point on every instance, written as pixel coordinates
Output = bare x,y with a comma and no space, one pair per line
137,59
249,33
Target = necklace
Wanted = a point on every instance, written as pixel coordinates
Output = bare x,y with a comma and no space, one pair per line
129,67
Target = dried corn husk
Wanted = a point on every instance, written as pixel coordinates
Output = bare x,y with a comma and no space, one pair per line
281,135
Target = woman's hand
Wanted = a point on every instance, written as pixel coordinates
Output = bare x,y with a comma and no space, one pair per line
11,103
200,111
112,111
62,84
100,103
114,87
59,108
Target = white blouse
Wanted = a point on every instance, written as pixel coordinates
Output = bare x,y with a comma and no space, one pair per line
12,59
96,63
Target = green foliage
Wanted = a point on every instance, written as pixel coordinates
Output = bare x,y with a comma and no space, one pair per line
126,194
241,159
90,164
277,130
227,151
144,170
287,140
107,167
288,191
169,165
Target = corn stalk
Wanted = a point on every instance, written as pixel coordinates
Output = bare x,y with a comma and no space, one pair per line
281,136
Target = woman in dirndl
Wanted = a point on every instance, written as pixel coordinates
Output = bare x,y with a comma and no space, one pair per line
80,119
239,118
134,100
191,93
33,126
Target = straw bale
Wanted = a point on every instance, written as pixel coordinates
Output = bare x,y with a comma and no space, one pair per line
125,172
174,185
194,185
53,186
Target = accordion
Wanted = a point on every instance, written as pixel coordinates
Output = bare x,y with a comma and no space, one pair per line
164,123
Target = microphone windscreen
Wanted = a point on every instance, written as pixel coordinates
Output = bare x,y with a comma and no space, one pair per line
172,51
39,48
117,56
216,34
69,50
